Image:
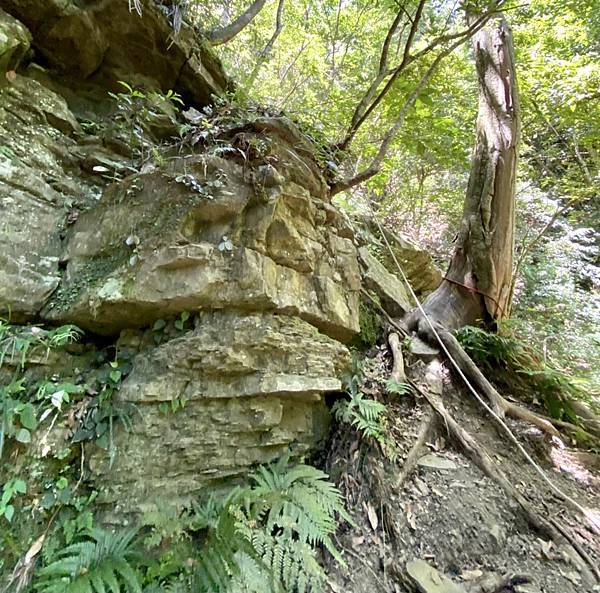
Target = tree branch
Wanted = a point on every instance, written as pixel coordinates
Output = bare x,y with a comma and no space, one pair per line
278,28
264,54
224,34
375,165
362,112
382,73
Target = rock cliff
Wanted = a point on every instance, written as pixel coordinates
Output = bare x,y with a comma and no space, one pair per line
207,254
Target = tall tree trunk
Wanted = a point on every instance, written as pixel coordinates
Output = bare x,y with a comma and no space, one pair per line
477,284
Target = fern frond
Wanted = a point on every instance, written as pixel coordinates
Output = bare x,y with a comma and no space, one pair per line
94,566
265,536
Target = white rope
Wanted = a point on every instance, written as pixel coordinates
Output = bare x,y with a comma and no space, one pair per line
498,419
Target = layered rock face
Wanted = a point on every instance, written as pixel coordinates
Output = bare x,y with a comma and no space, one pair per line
205,232
237,235
252,386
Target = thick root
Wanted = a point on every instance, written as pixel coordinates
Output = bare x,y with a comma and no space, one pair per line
397,373
494,583
499,405
477,453
482,459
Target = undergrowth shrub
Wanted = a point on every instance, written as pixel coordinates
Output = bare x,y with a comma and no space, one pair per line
521,370
366,415
103,562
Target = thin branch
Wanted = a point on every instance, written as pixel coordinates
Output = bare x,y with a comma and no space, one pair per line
363,111
383,60
278,28
382,73
264,54
375,165
573,149
224,34
407,60
527,249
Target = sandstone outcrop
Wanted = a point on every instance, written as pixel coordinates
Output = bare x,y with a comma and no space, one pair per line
236,234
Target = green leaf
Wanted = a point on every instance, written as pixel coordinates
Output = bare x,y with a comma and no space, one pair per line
159,324
27,417
102,441
19,486
115,376
23,436
9,511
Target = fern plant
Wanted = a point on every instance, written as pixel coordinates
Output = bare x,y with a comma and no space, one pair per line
96,565
263,538
518,368
366,415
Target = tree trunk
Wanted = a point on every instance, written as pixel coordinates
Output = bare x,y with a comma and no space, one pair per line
477,284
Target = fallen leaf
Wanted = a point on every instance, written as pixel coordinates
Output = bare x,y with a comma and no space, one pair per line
372,516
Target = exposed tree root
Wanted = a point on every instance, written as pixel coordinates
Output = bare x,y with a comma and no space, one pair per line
500,405
494,583
578,548
482,459
397,373
425,431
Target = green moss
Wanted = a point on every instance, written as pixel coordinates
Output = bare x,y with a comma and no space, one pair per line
91,272
370,326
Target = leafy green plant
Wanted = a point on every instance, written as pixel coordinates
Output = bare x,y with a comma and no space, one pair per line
164,330
12,488
370,324
104,411
263,538
17,342
366,415
172,406
138,111
102,562
397,388
18,418
520,369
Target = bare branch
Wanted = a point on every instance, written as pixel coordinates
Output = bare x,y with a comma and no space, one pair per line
264,54
382,73
224,34
363,110
278,28
383,60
